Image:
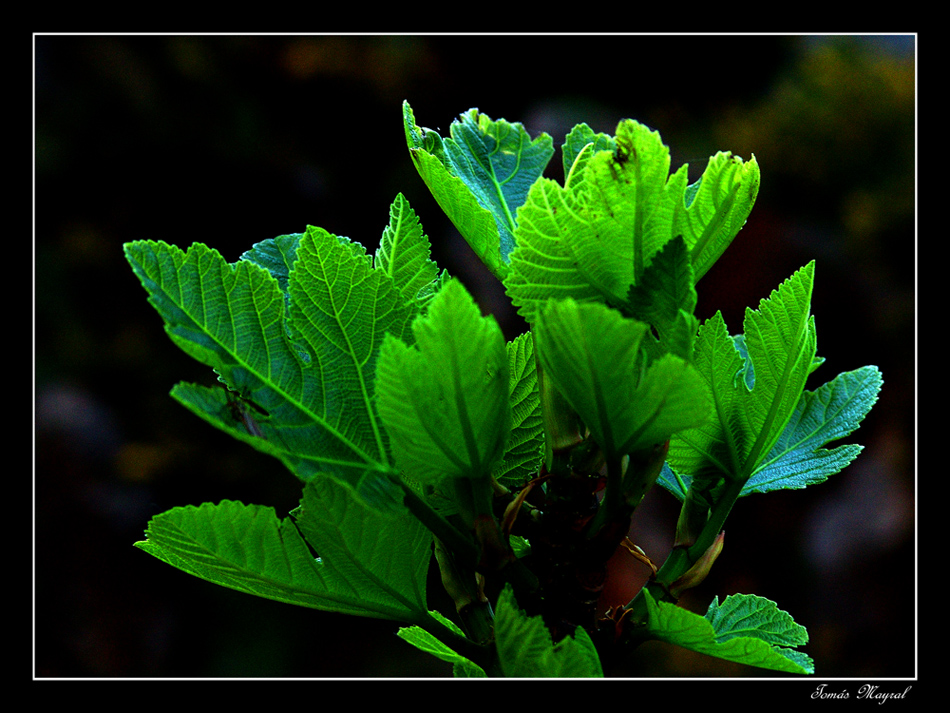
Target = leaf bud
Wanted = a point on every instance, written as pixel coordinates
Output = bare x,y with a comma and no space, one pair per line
695,575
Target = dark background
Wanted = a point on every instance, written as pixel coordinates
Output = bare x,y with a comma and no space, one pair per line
229,140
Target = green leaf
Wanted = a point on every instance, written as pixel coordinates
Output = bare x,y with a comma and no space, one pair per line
543,266
592,354
831,412
666,298
230,413
474,223
404,254
301,343
675,483
526,649
277,256
425,641
798,459
525,447
622,200
780,338
445,402
199,318
584,241
750,615
716,207
592,239
575,143
479,176
747,629
378,559
499,162
247,548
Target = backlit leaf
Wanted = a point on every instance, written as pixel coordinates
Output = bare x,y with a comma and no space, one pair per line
302,348
445,401
359,570
746,639
780,339
526,649
592,354
480,175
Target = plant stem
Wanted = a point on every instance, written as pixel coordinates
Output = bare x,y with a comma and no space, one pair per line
717,519
461,545
680,560
612,504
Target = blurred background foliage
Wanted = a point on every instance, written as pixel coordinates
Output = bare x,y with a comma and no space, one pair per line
230,140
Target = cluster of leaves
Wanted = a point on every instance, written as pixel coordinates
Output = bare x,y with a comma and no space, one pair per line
418,432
